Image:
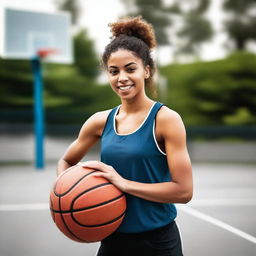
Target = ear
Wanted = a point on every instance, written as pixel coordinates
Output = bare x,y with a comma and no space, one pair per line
147,72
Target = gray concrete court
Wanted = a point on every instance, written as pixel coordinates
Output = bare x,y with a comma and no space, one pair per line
223,192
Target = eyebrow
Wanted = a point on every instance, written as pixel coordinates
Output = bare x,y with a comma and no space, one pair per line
124,65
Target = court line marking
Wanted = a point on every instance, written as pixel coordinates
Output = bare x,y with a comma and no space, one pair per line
216,222
184,208
197,202
24,207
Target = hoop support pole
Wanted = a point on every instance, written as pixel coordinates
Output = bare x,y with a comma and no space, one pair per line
38,113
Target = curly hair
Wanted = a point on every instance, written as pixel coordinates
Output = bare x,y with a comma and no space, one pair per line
136,35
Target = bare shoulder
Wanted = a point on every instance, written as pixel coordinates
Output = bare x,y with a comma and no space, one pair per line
169,122
95,123
168,115
99,118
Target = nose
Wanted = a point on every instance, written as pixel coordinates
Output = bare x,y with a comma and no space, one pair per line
122,77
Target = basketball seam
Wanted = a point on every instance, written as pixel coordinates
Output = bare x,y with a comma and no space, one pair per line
88,207
65,224
97,205
53,213
98,225
89,189
63,194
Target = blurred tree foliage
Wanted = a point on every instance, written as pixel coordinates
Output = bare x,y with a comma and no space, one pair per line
72,98
16,84
195,28
204,93
241,23
71,6
214,93
69,89
153,11
85,56
69,97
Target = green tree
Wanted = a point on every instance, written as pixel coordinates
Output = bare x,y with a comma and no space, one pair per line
241,24
196,28
71,6
153,11
16,90
219,92
85,56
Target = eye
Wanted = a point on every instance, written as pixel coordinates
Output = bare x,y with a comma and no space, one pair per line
131,70
113,72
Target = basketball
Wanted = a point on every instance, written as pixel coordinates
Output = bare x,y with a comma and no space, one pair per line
86,208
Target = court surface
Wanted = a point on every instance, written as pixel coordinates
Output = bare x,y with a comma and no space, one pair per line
220,220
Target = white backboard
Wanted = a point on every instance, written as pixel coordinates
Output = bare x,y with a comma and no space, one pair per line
23,33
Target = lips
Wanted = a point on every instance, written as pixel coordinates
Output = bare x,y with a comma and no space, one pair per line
125,87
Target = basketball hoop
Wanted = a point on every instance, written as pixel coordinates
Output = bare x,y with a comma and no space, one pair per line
51,43
45,52
41,54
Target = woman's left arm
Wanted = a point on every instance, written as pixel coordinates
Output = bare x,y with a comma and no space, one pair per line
180,189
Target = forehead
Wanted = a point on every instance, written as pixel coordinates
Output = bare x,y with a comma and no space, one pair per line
123,57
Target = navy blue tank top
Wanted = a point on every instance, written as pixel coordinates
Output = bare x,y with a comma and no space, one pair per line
136,156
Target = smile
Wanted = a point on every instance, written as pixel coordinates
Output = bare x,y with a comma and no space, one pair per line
123,88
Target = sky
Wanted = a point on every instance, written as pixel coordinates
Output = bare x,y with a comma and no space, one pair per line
96,14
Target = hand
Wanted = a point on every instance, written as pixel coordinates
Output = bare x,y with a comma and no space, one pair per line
108,172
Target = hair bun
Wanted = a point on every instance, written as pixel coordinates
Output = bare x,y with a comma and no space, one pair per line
134,26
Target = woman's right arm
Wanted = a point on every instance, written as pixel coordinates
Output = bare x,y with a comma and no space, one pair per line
89,134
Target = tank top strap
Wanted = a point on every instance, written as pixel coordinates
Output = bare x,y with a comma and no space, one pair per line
109,122
154,111
112,113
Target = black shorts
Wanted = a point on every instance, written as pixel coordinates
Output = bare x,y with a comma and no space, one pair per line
164,241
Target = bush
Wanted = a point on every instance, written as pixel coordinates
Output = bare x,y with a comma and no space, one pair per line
214,93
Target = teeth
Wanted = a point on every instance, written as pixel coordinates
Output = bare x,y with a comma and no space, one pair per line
125,87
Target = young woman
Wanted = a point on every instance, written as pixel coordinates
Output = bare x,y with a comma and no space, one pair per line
143,148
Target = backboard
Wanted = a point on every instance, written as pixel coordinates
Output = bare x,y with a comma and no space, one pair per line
23,33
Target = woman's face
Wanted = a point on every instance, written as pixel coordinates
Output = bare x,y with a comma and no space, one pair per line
127,74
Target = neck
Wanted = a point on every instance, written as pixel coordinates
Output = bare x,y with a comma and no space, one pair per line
136,104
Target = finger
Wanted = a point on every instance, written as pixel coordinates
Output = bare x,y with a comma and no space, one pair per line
90,164
100,174
80,163
95,164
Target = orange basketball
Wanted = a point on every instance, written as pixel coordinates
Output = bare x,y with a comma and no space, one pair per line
86,208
